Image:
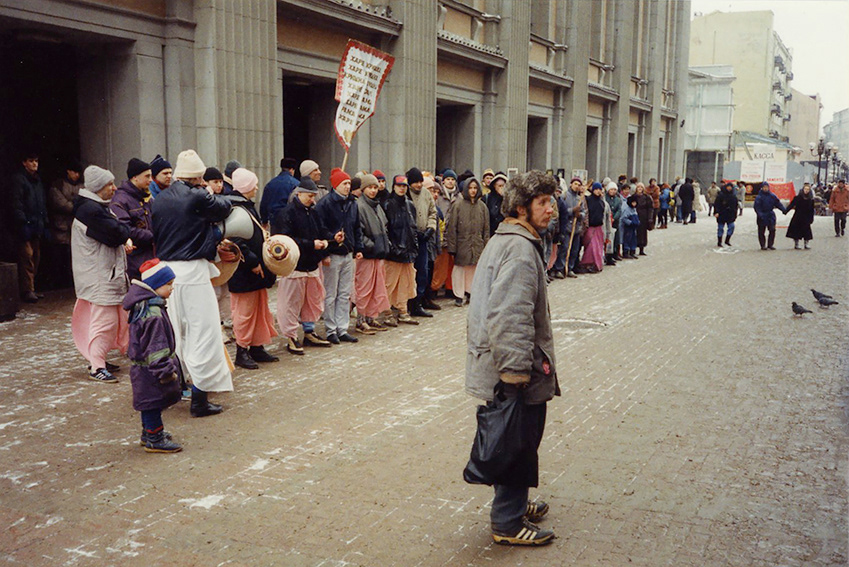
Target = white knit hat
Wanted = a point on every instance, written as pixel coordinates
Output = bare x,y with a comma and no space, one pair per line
189,165
307,167
96,178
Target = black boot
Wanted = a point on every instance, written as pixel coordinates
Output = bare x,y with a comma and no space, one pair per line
201,407
259,354
728,240
642,251
415,308
719,241
427,301
244,360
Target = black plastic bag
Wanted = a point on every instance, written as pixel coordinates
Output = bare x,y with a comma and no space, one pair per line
502,451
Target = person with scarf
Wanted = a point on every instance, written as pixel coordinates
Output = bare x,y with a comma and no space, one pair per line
186,236
99,247
425,210
614,201
443,264
161,173
725,210
132,204
802,206
253,323
630,222
403,249
593,260
644,210
370,275
466,233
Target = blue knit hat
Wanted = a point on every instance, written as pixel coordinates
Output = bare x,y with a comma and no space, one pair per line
449,173
155,273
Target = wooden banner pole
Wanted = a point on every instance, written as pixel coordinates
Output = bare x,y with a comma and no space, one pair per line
345,160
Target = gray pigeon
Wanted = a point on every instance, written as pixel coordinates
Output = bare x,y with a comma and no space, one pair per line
799,310
819,295
826,301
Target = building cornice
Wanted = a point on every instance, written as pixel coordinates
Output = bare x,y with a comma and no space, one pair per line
550,78
603,92
641,104
469,51
361,15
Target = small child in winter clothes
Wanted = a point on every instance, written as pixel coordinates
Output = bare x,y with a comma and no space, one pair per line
155,372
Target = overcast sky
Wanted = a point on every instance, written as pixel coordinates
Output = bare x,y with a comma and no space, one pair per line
817,33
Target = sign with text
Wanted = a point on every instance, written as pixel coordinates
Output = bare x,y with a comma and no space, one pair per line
580,174
763,152
752,171
362,71
775,172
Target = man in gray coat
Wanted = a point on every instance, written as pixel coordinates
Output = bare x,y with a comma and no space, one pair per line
510,339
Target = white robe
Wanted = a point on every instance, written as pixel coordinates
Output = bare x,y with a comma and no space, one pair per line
193,309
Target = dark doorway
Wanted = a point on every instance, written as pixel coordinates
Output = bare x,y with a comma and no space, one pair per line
592,152
455,137
537,144
297,107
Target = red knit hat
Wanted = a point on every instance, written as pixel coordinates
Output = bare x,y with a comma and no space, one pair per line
337,176
379,174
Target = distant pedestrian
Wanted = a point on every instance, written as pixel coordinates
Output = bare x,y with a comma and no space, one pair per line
725,211
155,372
30,214
803,216
838,202
60,204
765,203
466,234
510,342
594,238
687,194
665,199
630,222
712,193
644,210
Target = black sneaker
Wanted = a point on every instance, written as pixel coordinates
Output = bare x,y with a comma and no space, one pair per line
346,338
102,375
109,366
144,434
332,338
527,534
536,511
159,443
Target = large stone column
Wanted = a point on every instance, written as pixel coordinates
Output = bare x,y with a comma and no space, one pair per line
624,18
654,72
681,49
511,105
235,76
575,101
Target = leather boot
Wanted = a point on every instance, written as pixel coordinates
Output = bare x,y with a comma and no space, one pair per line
201,407
728,240
244,360
259,354
719,241
414,306
427,300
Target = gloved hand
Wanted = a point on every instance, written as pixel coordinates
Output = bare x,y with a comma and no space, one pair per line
428,234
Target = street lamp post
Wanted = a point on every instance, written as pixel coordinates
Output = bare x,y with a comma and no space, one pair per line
837,161
818,149
823,149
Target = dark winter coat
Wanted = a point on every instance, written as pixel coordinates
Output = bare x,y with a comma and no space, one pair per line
764,206
629,221
803,217
155,371
467,231
244,280
97,253
338,212
28,206
132,207
615,204
493,203
686,194
275,195
373,226
183,218
304,226
726,206
401,228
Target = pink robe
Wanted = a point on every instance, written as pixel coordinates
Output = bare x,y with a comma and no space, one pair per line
370,288
97,329
594,247
299,298
253,324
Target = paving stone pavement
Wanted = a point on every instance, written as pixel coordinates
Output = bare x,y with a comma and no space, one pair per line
700,424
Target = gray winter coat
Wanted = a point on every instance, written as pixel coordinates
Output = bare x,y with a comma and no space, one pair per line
509,324
467,229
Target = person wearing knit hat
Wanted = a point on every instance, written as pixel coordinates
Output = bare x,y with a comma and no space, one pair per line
275,195
214,180
253,324
231,166
381,178
132,205
311,169
156,386
369,292
486,179
339,214
161,171
425,231
403,249
186,235
99,243
357,187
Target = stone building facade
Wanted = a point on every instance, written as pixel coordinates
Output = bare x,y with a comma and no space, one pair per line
573,84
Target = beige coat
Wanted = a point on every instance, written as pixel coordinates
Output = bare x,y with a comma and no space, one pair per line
467,231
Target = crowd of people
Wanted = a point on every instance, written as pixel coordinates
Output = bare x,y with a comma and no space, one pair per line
373,252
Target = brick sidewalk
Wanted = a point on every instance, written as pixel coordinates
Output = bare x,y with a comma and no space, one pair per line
700,424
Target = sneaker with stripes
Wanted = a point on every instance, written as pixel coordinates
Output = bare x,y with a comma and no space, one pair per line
528,534
536,511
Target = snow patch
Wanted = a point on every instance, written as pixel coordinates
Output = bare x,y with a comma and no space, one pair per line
206,502
259,465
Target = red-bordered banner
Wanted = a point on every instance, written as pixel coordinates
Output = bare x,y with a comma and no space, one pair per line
362,72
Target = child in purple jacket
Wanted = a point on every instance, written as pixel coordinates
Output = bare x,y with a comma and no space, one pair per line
155,372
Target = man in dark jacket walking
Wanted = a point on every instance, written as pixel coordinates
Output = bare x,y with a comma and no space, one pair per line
186,237
687,195
764,206
132,204
511,346
30,213
725,208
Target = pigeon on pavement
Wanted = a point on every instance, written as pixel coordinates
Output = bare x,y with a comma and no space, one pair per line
819,295
826,301
799,310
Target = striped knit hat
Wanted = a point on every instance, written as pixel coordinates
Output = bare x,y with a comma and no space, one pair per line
155,273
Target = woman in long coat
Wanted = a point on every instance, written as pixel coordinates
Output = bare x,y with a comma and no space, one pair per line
803,216
594,237
466,233
645,209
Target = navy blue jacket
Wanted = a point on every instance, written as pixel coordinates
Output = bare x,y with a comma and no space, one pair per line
401,227
182,222
101,224
303,225
493,202
275,195
338,212
28,205
765,203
